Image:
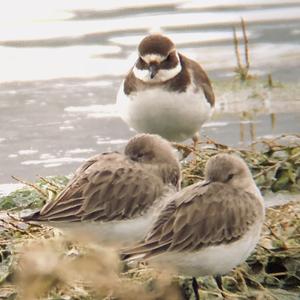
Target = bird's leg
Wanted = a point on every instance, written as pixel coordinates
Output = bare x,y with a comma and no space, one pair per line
218,279
196,140
195,147
195,286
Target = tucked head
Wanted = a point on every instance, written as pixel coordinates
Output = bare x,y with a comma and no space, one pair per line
158,59
151,148
228,168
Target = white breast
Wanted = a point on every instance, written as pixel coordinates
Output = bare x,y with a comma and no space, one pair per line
175,116
213,260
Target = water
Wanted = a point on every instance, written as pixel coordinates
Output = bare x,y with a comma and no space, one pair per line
62,63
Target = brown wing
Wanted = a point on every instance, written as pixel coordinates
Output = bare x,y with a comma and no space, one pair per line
204,216
75,182
110,188
200,78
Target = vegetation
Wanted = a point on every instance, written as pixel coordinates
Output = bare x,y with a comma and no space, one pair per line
242,70
38,262
275,164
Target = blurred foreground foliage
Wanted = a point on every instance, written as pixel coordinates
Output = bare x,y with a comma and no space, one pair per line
37,262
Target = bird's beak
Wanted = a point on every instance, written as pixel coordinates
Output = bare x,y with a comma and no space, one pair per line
206,182
153,69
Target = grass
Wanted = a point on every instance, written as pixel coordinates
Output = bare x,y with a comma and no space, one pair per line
37,262
242,70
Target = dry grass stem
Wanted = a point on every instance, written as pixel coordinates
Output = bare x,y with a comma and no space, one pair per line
40,191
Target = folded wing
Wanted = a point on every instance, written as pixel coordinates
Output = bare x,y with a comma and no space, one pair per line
197,218
107,187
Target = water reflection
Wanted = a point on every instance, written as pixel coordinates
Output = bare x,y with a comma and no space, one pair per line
63,61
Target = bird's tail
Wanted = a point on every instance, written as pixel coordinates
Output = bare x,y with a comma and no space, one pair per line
35,216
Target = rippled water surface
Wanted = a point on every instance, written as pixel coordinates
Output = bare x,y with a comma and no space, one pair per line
62,63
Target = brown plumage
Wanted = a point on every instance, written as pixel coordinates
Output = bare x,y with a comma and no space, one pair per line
113,186
216,213
179,83
157,44
207,216
165,92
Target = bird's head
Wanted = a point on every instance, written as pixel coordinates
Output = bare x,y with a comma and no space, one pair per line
229,169
158,59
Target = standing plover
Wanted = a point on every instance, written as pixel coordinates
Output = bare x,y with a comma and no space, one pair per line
209,227
165,92
119,194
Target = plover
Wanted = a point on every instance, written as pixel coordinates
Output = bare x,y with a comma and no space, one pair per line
209,227
165,92
116,194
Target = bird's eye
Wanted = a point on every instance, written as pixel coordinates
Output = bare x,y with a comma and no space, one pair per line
141,62
230,176
137,156
146,156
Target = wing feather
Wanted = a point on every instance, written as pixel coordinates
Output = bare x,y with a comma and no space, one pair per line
108,187
198,217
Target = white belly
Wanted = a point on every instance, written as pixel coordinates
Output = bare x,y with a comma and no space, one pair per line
114,233
174,116
214,260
